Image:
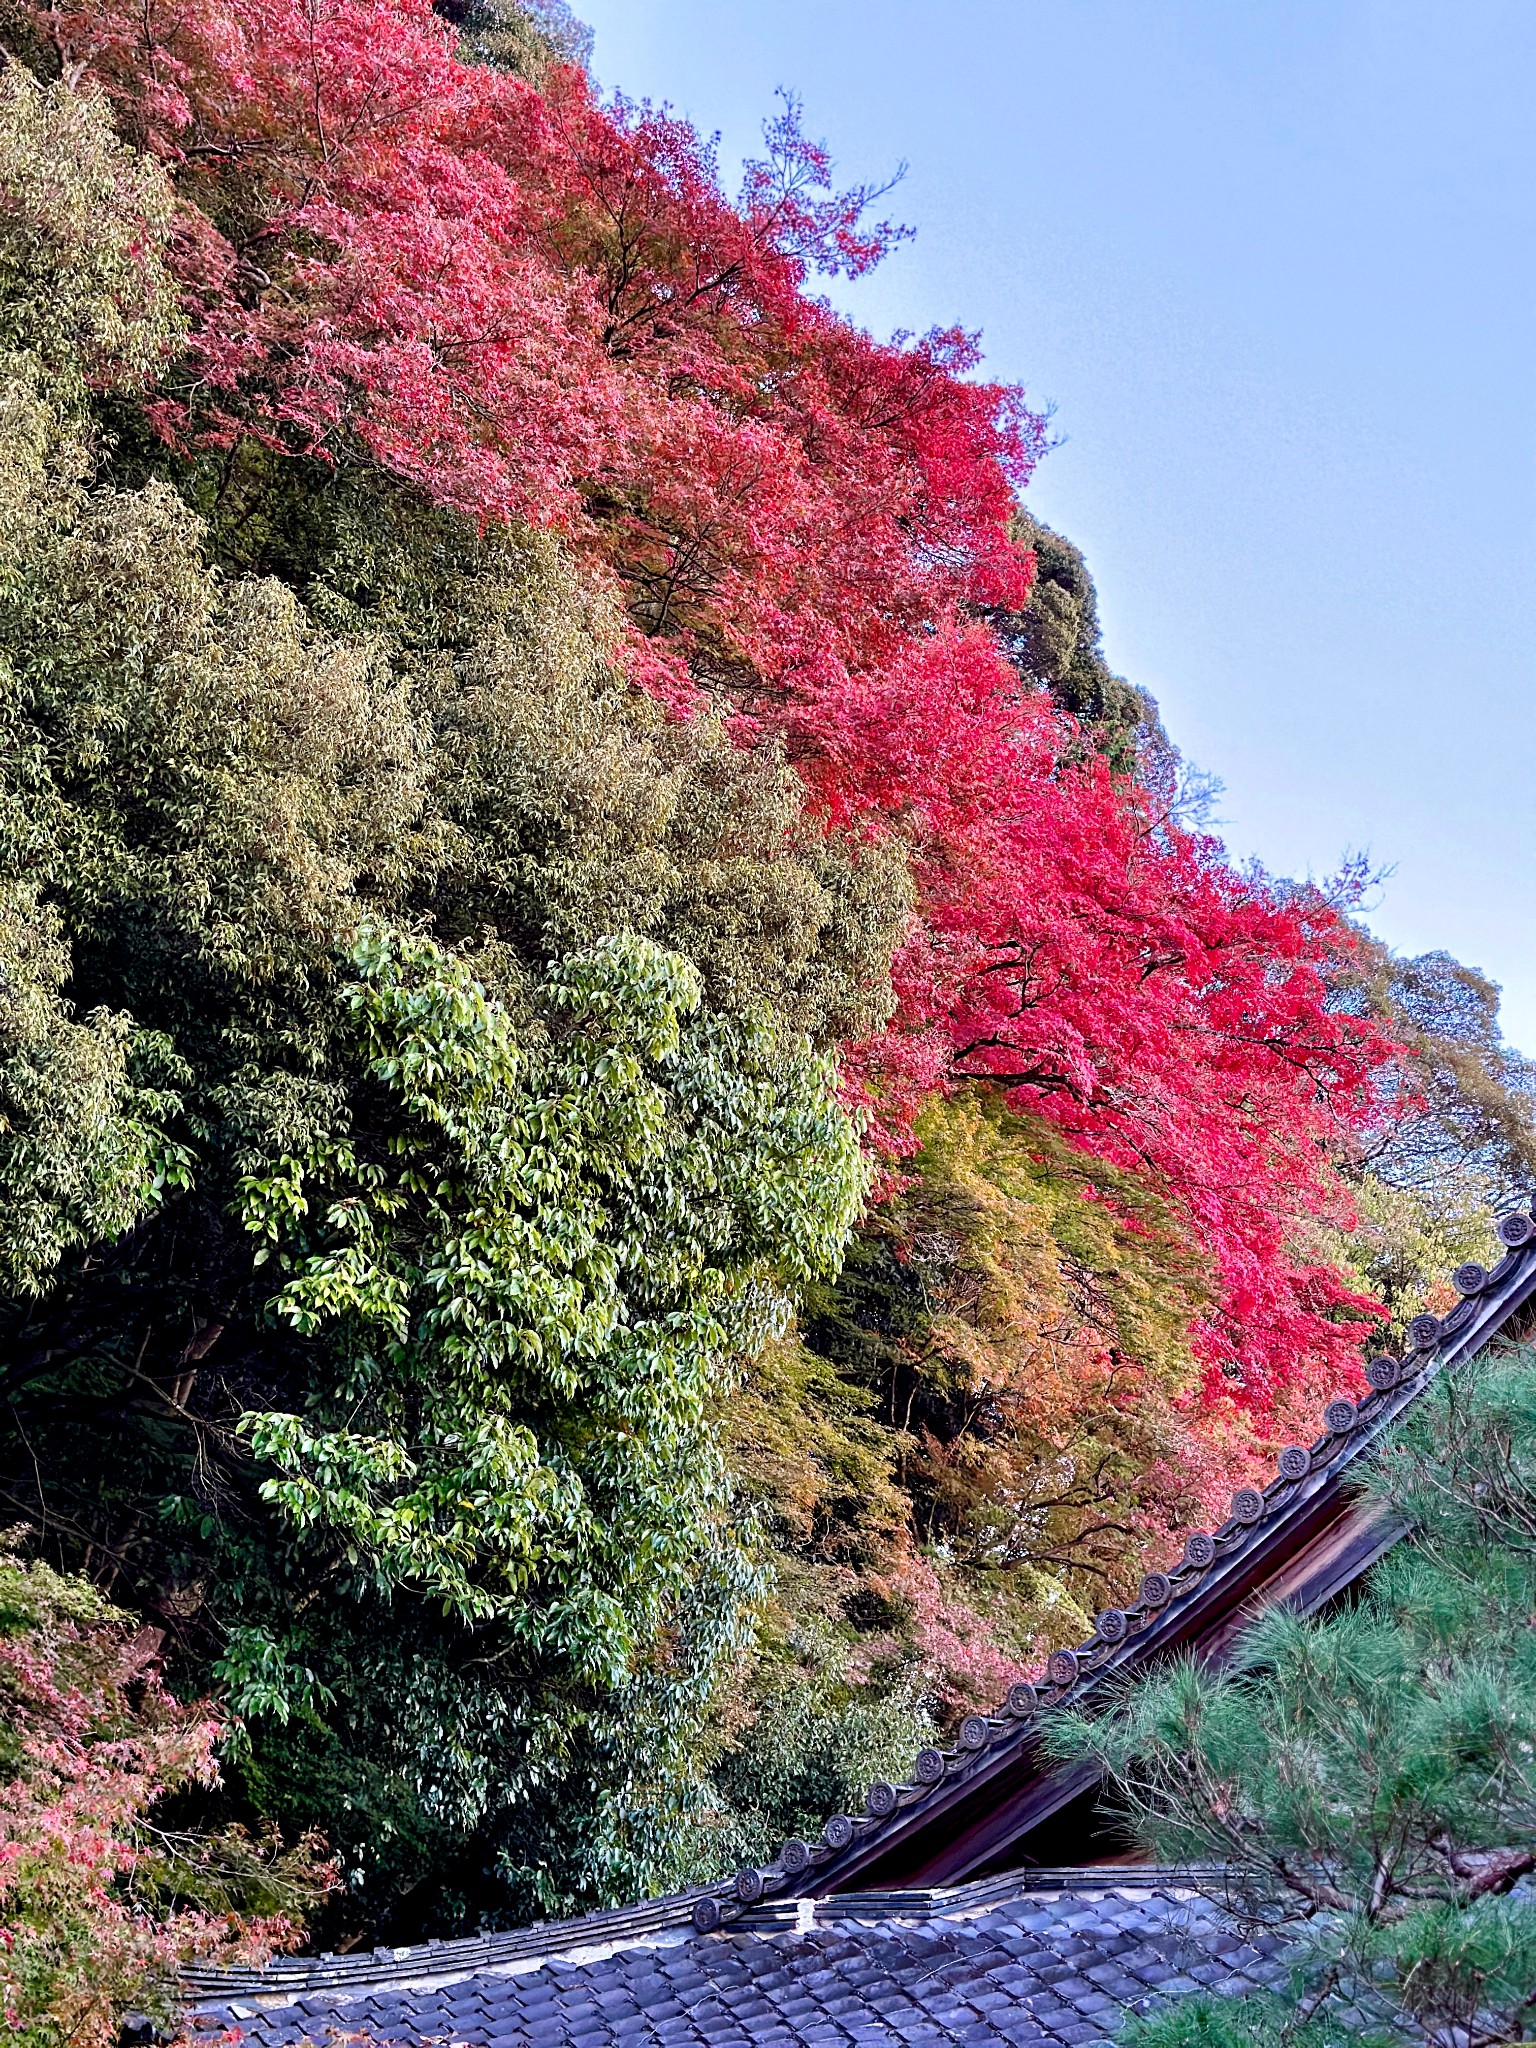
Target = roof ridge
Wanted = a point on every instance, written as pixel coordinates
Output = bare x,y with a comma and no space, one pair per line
1349,1429
659,1923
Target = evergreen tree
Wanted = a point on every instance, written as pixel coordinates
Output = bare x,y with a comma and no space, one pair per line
1055,643
1368,1777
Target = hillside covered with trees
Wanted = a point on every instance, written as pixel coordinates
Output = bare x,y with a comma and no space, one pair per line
642,1149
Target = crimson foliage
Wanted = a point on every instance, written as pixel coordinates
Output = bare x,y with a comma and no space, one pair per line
536,307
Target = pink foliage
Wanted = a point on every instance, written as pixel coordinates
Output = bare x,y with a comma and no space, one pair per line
958,1659
92,1742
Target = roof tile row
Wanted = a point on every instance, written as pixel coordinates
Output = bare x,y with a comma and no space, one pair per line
1057,1969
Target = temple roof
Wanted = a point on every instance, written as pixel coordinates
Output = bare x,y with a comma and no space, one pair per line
1052,1960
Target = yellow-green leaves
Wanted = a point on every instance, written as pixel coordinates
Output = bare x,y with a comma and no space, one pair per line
84,1150
83,222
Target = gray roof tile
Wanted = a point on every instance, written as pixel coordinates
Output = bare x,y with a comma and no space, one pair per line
1033,1971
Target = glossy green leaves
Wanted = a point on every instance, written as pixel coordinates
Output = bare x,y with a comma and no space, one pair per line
526,1267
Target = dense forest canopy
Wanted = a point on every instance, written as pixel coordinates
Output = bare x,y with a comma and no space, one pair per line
640,1151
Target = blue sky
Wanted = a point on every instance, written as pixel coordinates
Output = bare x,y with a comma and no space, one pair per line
1271,264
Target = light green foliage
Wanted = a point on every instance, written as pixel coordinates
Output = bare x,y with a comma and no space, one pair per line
813,1746
1370,1778
1477,1097
1406,1241
538,1273
83,1152
539,1263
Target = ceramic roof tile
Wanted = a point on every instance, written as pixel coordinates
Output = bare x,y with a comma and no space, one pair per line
1053,1969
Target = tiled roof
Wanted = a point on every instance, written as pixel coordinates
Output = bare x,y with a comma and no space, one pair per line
1054,1959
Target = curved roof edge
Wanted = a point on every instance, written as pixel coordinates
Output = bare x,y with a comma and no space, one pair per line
661,1923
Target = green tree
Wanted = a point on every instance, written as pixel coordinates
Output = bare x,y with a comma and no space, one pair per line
523,1273
1369,1777
525,36
1055,643
335,1231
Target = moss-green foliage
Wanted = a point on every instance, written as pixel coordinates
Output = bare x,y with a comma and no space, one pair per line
1369,1778
82,1154
557,804
83,220
527,1191
833,1691
1055,644
523,36
816,1463
815,1742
